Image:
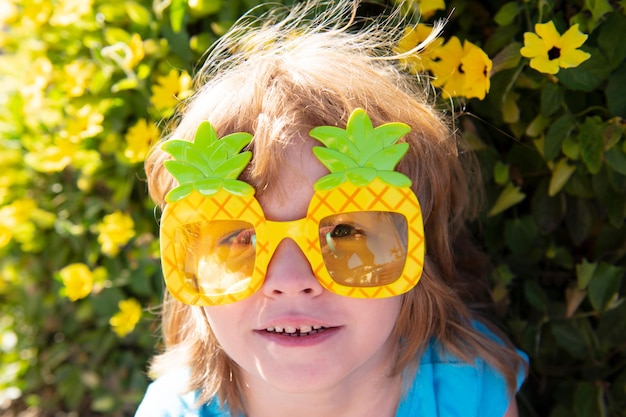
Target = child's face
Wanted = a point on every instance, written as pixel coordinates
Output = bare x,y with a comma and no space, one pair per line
345,339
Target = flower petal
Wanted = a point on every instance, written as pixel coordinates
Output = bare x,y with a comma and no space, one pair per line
533,46
573,58
547,31
545,65
573,38
450,55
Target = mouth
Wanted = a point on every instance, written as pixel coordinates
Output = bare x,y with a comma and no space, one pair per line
293,331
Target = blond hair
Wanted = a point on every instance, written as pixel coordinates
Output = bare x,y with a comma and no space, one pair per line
285,73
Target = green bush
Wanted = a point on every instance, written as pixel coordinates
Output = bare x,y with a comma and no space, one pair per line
85,85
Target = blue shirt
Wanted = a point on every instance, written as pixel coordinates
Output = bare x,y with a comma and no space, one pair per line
442,387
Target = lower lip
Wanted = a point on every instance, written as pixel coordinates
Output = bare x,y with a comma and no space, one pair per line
299,341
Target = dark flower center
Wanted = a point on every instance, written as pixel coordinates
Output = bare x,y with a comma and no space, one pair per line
460,68
554,53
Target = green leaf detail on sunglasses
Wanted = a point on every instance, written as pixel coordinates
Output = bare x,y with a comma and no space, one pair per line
208,164
361,153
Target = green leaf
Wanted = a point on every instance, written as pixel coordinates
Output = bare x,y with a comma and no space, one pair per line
125,84
197,159
335,138
183,172
209,186
201,8
360,129
598,8
113,35
178,193
235,142
389,133
238,187
521,235
604,285
387,158
547,211
616,159
612,133
232,167
178,11
557,132
510,196
579,185
205,136
508,57
611,198
137,13
178,42
587,76
333,159
551,98
584,273
615,97
591,144
568,337
560,175
361,176
394,178
177,148
571,147
216,154
613,28
580,217
501,173
507,14
535,295
330,181
537,126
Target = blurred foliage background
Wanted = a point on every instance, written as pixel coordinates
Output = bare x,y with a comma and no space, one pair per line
86,84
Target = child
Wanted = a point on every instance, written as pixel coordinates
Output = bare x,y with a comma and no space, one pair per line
307,187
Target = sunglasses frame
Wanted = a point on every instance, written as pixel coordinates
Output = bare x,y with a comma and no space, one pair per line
304,232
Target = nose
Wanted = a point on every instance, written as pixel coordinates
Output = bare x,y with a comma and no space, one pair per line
289,273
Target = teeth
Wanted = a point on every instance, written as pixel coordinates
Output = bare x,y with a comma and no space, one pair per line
303,330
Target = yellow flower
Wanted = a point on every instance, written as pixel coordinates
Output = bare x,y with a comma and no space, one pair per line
170,89
462,70
76,77
137,50
8,12
413,36
35,14
19,221
83,123
126,54
115,231
426,8
548,50
67,12
124,321
138,139
53,158
5,236
78,281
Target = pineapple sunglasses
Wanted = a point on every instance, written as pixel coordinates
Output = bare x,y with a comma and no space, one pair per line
363,233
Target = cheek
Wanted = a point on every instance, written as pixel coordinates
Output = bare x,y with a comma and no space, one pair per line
379,316
226,322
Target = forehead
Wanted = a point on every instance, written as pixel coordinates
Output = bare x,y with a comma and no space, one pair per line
287,197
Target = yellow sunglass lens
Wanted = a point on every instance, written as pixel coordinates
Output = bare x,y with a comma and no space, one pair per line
364,249
217,257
